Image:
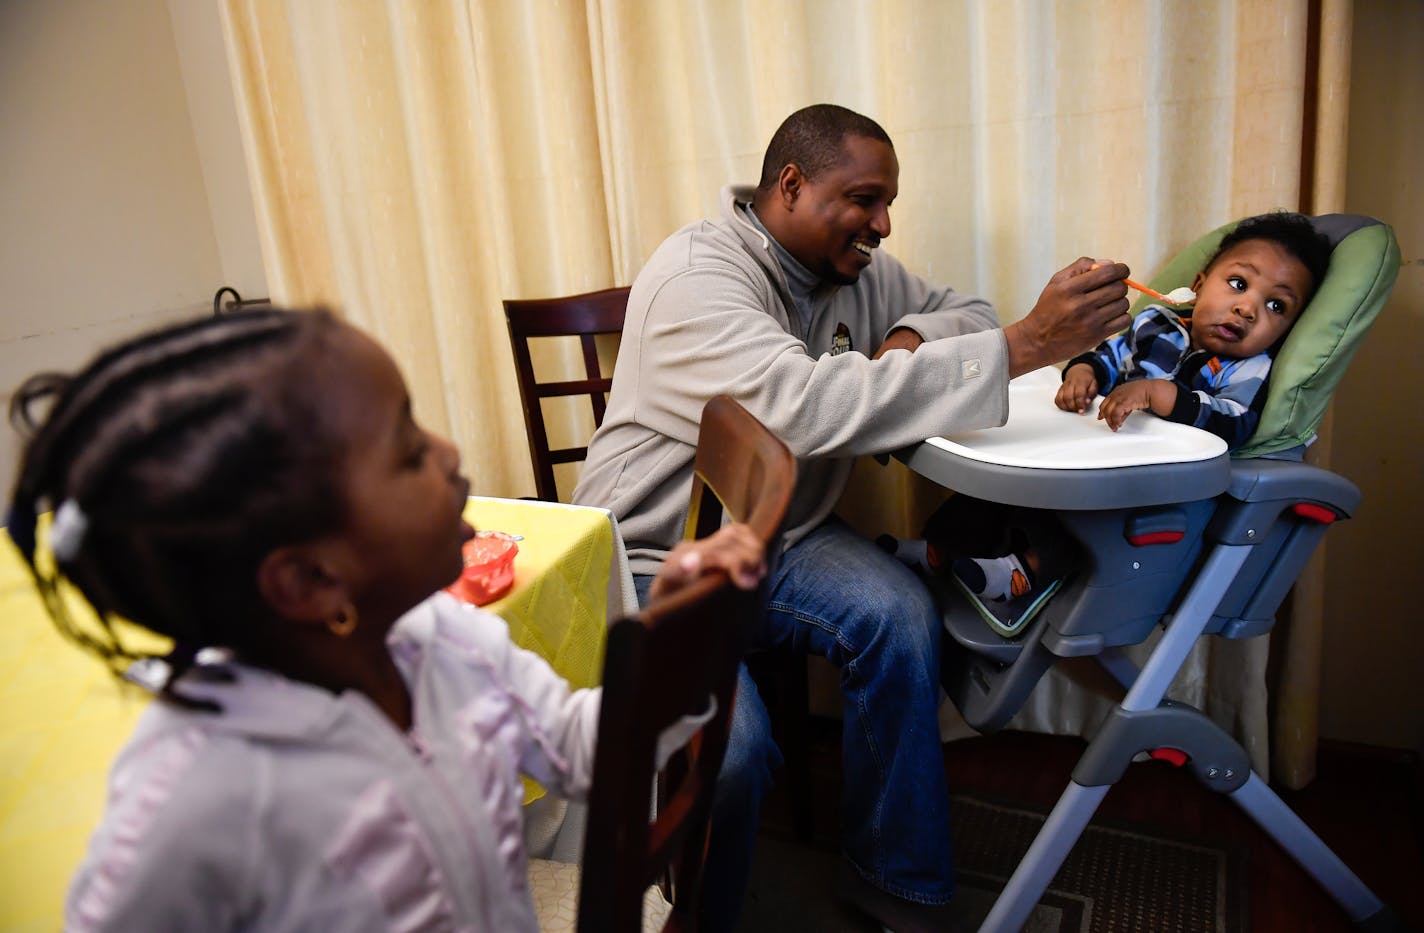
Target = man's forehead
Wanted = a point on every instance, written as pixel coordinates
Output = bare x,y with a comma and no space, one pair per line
867,156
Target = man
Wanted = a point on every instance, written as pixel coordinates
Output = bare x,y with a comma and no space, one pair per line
777,305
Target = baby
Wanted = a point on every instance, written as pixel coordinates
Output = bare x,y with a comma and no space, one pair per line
1209,368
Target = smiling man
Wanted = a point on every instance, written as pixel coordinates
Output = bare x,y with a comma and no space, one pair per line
788,304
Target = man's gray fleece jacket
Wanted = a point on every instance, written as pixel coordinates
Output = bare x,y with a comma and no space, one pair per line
710,314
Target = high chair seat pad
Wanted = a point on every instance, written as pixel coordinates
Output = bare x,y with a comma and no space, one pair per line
1046,458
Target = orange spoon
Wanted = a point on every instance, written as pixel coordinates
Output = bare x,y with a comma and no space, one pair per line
1177,296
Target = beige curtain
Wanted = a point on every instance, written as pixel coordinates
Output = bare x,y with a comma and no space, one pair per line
417,162
1296,714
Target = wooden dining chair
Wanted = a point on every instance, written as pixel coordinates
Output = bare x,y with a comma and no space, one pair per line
584,316
661,665
736,455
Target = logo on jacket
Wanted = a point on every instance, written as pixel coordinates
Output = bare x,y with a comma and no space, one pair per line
840,343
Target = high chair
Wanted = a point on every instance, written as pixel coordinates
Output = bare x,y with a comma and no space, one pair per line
1175,533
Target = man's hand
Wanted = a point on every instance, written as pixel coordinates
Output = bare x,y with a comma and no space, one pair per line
1155,395
1080,384
901,338
1081,306
732,549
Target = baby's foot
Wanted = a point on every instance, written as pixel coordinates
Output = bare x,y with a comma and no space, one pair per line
915,553
996,578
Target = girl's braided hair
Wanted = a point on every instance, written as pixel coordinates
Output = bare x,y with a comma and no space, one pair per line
191,452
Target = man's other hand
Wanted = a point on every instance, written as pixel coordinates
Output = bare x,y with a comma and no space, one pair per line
901,338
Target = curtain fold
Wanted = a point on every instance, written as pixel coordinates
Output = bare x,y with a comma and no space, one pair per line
416,164
1296,716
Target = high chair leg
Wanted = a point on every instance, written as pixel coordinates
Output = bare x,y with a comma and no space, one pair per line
1139,723
1045,856
1282,824
1075,808
1186,627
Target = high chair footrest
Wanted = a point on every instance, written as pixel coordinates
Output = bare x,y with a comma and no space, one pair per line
966,626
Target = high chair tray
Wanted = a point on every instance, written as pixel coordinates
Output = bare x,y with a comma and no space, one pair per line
1050,459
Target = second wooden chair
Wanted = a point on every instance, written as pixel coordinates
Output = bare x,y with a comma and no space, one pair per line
659,666
584,316
734,455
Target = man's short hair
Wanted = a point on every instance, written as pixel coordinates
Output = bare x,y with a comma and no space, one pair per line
811,138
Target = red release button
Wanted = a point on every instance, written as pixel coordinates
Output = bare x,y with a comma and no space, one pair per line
1155,537
1310,510
1174,755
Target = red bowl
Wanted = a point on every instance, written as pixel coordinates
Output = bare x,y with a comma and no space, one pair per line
489,568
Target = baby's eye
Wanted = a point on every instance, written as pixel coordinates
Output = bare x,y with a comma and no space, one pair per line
1276,306
1236,282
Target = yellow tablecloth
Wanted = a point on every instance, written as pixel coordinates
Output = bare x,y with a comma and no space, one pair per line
564,592
63,717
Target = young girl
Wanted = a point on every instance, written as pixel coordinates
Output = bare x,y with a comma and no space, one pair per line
338,749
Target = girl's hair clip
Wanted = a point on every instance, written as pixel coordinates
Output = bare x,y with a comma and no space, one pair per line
149,673
66,532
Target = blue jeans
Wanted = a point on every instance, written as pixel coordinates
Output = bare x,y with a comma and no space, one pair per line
838,595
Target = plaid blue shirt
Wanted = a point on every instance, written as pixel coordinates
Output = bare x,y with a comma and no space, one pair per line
1223,396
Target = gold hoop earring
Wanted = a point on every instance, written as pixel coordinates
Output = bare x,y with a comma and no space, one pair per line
344,622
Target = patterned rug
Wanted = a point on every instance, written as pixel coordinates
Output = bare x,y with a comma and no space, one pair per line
1118,878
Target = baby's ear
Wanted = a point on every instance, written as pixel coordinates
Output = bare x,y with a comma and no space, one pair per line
1197,280
298,584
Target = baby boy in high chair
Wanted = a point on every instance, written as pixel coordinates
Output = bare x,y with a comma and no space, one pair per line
1207,367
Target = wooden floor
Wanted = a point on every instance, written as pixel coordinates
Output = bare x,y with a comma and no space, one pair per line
1365,804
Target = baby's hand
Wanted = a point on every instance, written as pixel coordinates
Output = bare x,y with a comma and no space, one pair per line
1126,399
734,550
1080,384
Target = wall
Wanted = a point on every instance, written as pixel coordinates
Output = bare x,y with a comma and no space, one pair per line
105,215
1374,637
